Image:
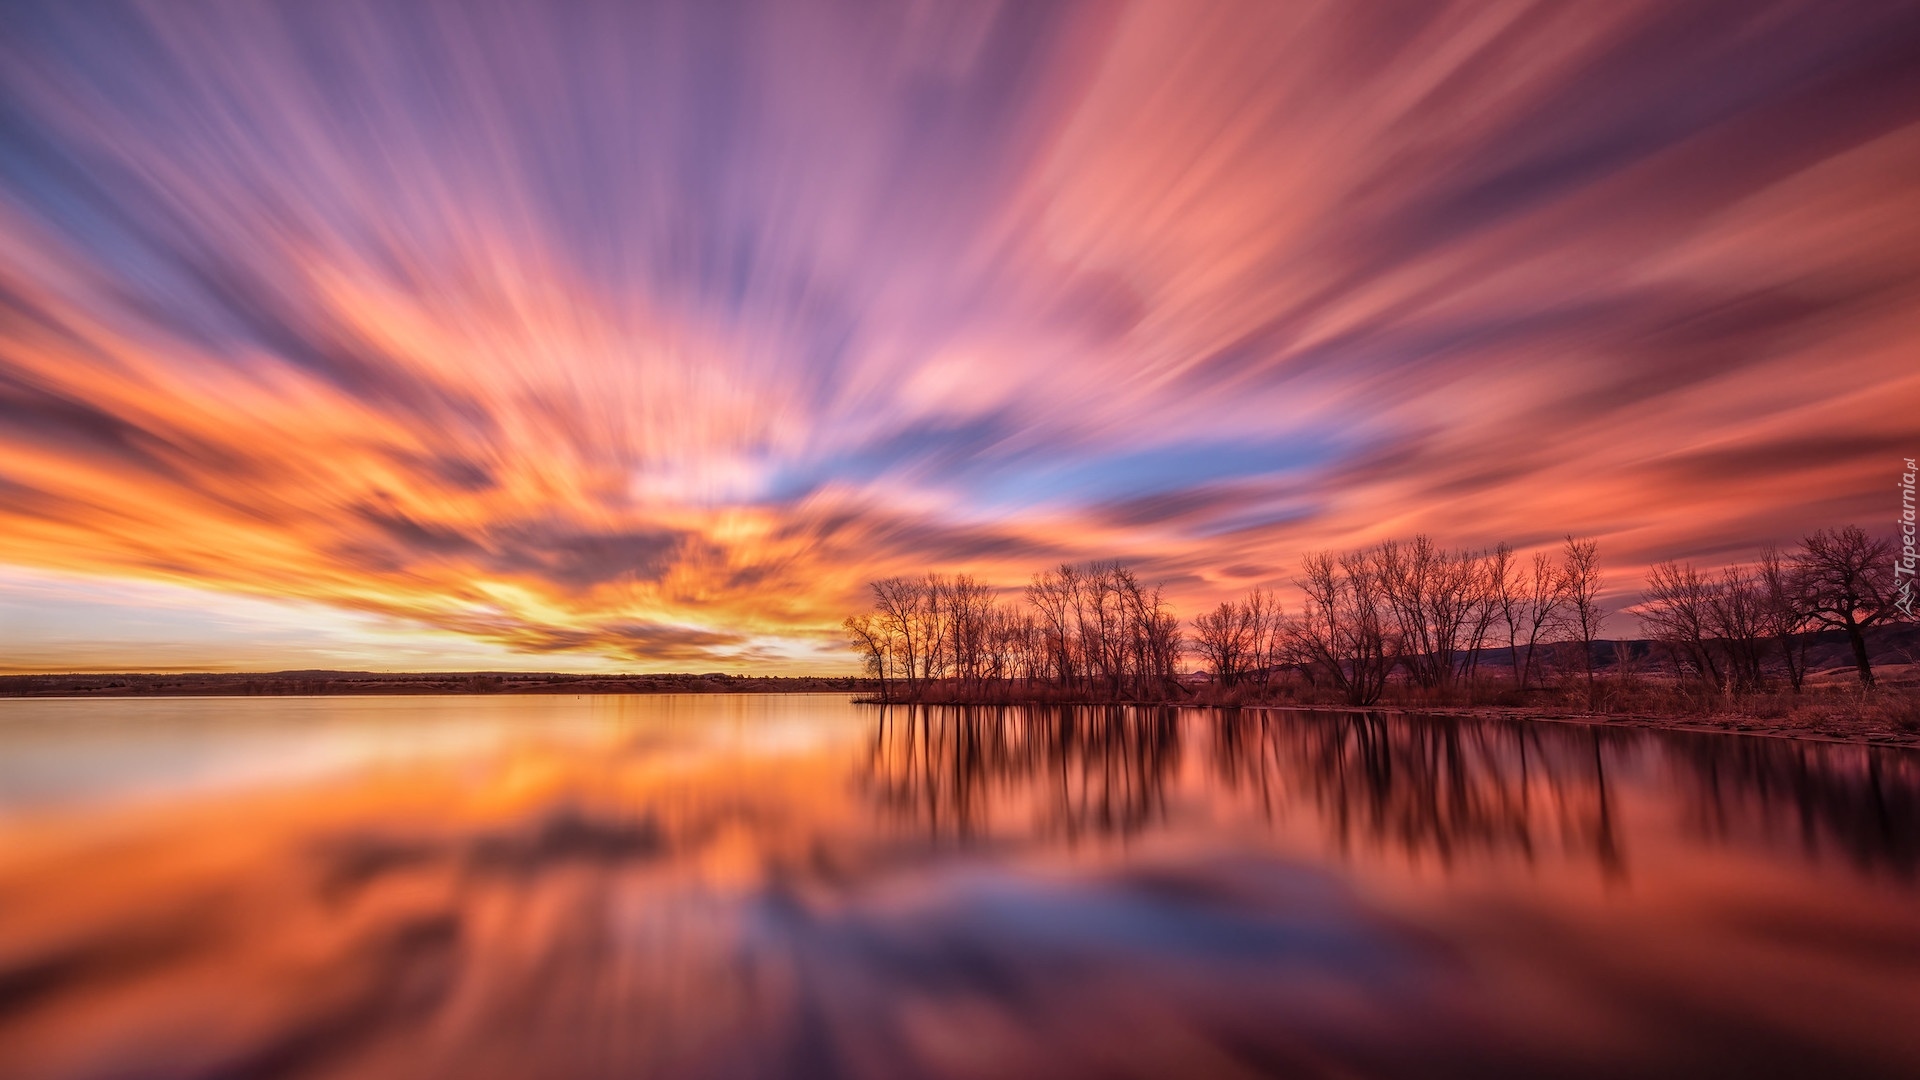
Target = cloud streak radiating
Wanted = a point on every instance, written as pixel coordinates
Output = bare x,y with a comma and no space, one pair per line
649,332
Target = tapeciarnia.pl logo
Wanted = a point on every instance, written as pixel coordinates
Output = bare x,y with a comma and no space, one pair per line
1903,565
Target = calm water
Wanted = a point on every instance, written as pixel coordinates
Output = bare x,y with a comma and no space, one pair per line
769,886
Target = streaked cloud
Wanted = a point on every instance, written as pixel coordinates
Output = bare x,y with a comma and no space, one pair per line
643,334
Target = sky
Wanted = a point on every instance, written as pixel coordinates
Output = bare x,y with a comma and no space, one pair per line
582,336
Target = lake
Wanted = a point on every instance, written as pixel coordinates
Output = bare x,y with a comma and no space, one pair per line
766,885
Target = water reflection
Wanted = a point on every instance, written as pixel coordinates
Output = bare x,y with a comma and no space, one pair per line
1433,788
1092,769
802,887
1863,803
1388,784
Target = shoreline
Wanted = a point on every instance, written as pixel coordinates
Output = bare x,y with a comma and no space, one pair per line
1700,725
1858,731
406,684
1712,724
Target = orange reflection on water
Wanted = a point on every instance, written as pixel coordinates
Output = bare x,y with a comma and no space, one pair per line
763,885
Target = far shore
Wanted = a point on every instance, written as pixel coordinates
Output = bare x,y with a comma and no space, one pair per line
377,683
1824,715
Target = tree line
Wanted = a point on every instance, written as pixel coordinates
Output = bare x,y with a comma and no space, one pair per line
1721,628
1097,630
1429,614
1435,613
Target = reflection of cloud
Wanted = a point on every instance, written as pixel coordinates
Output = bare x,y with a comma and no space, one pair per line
562,836
530,328
668,886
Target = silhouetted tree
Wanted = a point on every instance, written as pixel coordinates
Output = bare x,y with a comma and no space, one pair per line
1846,579
1267,623
1434,597
1056,596
1581,581
1153,635
1224,636
1785,616
1412,605
1344,628
1531,606
1737,613
869,638
1677,610
900,612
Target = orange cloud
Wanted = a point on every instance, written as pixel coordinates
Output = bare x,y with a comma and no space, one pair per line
647,337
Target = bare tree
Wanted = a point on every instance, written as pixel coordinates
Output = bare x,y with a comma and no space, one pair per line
967,605
1737,613
1165,642
1713,625
1626,663
1503,587
1343,630
1488,571
900,610
1785,616
1055,596
868,636
1267,623
1531,606
1224,637
1431,594
1430,609
1010,645
1152,634
1100,625
1131,647
1677,610
1847,580
932,617
1581,580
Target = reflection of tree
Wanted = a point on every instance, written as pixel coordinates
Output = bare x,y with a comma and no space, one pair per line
1102,769
1425,788
1862,800
1436,787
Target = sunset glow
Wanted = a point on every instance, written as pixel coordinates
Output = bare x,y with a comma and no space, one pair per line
642,336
